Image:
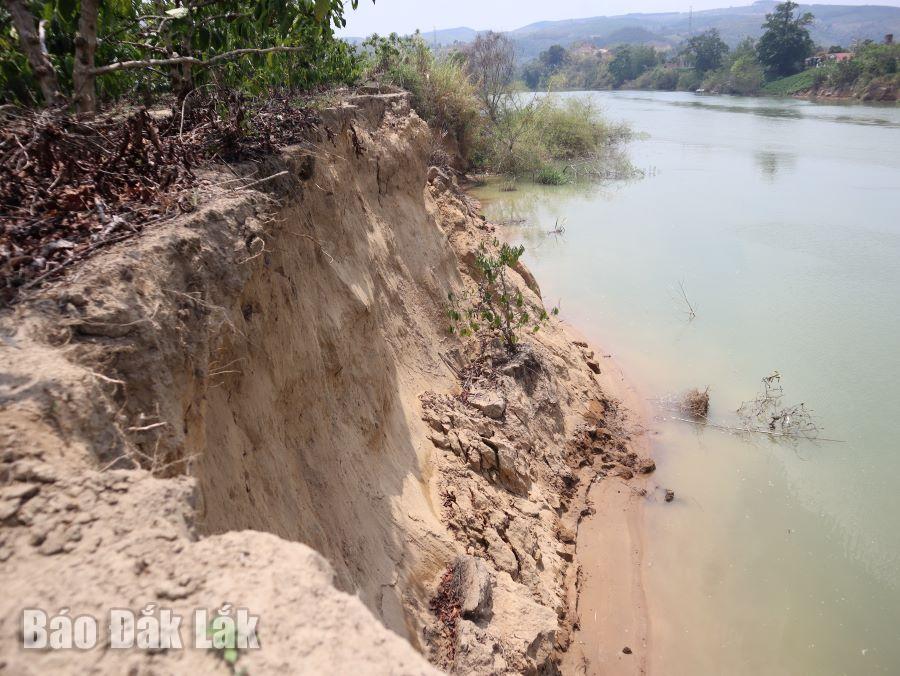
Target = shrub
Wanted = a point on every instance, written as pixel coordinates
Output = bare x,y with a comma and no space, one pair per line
551,176
539,132
497,306
794,84
440,90
688,81
660,78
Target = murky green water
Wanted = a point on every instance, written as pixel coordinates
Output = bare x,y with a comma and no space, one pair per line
782,218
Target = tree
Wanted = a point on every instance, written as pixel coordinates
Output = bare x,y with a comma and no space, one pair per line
630,62
786,41
706,52
491,64
554,58
135,40
746,75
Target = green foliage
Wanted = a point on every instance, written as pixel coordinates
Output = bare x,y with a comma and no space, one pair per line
630,62
551,176
131,33
660,78
689,81
786,41
539,132
497,306
441,91
793,84
706,51
582,69
501,132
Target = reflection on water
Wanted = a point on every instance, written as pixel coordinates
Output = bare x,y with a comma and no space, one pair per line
771,161
783,227
793,109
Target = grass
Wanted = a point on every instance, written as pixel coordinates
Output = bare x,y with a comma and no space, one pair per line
794,84
551,176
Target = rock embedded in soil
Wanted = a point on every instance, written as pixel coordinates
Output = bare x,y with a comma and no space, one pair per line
491,404
647,467
474,587
670,495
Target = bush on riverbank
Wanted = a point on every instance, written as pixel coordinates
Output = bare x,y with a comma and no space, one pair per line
495,128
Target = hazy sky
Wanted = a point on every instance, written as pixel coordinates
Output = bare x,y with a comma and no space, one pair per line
404,16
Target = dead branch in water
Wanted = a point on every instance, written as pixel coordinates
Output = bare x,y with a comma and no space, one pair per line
559,229
767,415
692,315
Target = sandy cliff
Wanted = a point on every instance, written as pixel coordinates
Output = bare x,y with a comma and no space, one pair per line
259,404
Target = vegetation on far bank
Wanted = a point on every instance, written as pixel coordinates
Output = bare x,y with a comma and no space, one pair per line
776,64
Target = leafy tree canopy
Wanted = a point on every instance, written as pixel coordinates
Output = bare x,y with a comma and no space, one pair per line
77,50
786,41
706,52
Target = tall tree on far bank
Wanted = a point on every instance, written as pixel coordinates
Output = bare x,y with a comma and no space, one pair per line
491,64
786,41
706,52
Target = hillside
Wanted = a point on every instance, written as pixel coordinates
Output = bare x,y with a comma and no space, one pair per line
834,24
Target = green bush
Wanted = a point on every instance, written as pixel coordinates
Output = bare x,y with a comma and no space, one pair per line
660,78
689,81
551,176
793,84
441,92
496,306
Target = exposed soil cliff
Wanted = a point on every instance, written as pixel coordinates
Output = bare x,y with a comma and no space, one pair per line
259,404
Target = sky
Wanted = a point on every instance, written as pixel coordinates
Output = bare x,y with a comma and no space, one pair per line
404,16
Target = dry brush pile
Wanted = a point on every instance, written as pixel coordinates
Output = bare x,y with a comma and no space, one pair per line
69,186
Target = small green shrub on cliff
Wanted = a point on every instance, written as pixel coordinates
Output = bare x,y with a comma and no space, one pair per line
497,306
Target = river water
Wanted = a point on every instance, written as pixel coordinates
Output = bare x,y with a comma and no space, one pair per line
782,220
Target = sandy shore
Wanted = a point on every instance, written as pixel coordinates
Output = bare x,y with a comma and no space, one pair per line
612,603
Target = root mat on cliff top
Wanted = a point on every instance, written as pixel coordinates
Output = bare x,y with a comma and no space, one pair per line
69,186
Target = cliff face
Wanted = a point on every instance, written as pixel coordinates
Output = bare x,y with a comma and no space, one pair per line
259,404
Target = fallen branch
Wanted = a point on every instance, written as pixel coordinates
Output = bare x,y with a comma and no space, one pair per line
748,430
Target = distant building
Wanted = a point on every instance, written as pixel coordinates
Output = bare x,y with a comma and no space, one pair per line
823,58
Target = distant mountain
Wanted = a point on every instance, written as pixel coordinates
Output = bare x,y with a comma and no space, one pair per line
834,24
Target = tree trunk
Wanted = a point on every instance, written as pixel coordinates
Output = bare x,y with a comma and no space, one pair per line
35,50
83,78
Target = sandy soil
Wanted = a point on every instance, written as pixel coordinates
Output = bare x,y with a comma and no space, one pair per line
612,603
260,404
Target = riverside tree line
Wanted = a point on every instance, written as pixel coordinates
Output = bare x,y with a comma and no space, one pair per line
706,62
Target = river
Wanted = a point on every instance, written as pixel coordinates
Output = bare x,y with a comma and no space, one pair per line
781,218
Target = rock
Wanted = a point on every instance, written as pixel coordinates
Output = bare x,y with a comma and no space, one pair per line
513,469
626,474
491,404
440,440
473,584
488,457
647,466
594,366
566,533
626,650
670,495
500,552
